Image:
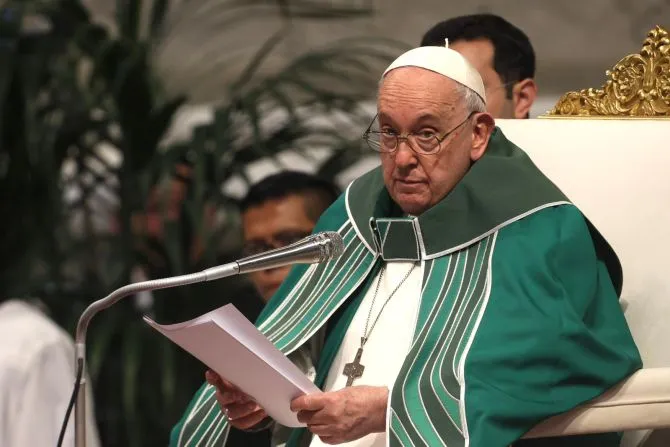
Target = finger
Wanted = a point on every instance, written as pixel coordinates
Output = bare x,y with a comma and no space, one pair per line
219,382
215,380
306,416
233,392
227,396
321,429
237,411
309,402
231,399
212,378
228,385
236,397
249,421
225,399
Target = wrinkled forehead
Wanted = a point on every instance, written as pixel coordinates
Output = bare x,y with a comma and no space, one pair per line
409,88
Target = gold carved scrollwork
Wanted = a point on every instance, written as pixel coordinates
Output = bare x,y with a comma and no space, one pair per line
637,86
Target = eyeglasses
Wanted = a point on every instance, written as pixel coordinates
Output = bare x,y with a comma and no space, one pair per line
279,240
425,142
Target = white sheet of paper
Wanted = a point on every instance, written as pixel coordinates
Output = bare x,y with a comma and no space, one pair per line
230,345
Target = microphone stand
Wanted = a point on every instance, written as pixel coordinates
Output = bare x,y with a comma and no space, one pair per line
314,249
131,289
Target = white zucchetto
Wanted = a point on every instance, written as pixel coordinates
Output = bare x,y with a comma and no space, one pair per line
444,61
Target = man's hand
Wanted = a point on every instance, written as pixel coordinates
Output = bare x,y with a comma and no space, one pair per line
241,410
344,415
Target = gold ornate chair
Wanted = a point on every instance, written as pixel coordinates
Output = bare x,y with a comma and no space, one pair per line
609,150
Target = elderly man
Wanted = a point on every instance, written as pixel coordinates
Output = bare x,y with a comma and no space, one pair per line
502,54
472,300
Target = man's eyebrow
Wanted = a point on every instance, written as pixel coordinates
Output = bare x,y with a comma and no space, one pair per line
383,116
428,117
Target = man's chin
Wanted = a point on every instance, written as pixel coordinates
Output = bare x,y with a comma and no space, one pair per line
411,204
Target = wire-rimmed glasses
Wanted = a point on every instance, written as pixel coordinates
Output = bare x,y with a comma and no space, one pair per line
424,142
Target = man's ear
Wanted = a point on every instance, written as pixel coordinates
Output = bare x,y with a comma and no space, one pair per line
482,128
523,97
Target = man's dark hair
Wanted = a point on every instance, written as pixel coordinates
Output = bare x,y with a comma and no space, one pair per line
320,192
513,55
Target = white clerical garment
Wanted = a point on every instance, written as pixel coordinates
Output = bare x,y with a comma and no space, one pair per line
388,343
36,380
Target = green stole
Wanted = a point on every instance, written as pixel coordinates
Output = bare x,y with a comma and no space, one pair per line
458,330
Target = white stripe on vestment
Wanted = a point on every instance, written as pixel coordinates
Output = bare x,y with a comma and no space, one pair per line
199,403
442,301
312,325
309,298
421,336
268,326
482,310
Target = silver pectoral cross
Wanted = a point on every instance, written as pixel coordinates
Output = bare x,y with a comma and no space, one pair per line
354,370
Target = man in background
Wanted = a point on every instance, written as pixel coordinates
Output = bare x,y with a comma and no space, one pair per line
279,210
502,54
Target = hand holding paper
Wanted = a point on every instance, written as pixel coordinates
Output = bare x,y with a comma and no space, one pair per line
344,415
232,347
242,411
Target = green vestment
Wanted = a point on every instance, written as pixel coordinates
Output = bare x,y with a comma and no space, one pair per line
519,316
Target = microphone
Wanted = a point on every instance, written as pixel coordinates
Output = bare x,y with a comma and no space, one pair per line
314,249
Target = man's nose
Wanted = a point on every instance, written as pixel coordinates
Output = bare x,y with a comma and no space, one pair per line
404,155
